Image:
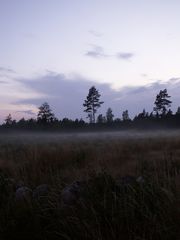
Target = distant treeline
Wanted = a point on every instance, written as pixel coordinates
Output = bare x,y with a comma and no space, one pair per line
160,117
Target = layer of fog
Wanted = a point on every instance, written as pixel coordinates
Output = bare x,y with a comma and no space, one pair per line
45,137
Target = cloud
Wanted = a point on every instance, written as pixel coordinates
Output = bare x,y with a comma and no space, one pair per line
174,80
6,70
96,52
95,33
66,95
28,112
125,55
144,75
3,82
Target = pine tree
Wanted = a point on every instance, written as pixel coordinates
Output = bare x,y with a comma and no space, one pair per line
125,115
8,120
100,119
92,103
178,111
45,114
109,115
162,103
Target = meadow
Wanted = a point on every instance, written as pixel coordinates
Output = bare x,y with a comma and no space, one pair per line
121,185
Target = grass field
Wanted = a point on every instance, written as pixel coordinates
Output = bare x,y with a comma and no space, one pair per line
129,185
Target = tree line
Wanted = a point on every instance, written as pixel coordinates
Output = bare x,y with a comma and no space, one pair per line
161,116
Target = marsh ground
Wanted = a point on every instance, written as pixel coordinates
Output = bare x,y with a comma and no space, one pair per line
108,207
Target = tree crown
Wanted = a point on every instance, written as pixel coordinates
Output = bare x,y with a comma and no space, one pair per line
92,103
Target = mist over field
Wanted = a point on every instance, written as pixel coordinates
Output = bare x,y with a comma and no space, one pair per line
89,120
41,137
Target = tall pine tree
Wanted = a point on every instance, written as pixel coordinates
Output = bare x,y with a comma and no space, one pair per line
162,103
92,103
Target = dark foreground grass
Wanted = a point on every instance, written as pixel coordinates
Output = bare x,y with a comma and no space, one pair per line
110,205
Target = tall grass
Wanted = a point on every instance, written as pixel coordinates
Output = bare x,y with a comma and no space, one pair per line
108,208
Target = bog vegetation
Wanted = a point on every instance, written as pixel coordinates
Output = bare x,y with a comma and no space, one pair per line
90,187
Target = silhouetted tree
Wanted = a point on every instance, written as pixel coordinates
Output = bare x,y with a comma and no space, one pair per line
151,115
178,111
125,115
8,120
142,115
101,119
162,103
145,114
157,115
169,113
45,114
117,120
109,115
92,103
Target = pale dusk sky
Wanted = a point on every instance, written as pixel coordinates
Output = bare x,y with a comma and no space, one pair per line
128,49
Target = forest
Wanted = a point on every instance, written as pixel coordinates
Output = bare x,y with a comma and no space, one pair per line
160,117
92,181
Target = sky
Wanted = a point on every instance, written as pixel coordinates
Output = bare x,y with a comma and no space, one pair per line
55,50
